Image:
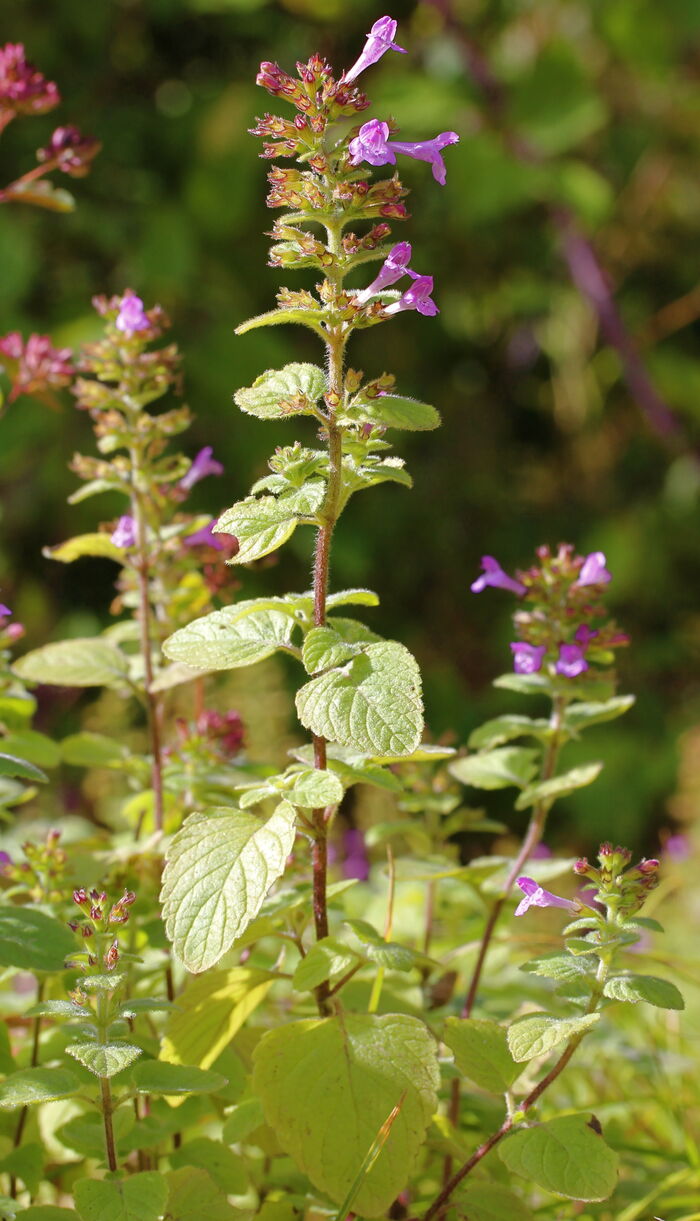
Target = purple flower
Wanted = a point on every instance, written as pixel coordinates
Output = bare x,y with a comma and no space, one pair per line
584,635
494,575
5,611
202,466
593,571
131,317
571,661
205,537
535,896
677,847
125,533
356,862
372,144
393,268
379,41
527,658
416,297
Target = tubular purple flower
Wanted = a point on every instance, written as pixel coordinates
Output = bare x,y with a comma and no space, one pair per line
131,317
5,611
593,571
535,896
571,661
125,533
379,41
527,658
416,297
494,575
202,466
393,268
205,537
372,144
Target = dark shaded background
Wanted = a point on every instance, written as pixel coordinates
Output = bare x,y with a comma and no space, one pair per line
542,439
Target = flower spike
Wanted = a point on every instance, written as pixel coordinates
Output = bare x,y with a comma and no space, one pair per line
379,41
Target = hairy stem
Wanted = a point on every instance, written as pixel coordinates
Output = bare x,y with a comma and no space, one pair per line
532,838
153,701
107,1111
335,349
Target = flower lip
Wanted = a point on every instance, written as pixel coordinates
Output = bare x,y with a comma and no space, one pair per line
571,661
372,144
416,297
124,535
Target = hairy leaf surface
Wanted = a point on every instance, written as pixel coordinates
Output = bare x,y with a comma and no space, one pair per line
278,393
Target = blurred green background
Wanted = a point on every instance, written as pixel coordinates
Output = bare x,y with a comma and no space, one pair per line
541,441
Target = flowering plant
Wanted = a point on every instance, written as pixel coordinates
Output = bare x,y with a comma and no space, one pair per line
268,1038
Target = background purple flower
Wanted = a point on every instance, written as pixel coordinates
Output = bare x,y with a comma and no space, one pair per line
527,658
124,535
593,571
131,317
494,575
202,466
205,537
571,661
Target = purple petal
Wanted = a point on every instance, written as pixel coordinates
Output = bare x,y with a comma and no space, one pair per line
379,41
593,571
132,316
202,466
527,658
125,533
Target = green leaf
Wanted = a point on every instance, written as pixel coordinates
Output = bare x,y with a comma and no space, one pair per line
33,747
210,1011
497,769
82,545
327,1087
104,1059
481,1052
219,868
160,1077
262,523
305,317
480,1200
559,786
567,1156
278,393
388,954
325,958
394,411
241,1120
48,1212
33,941
581,715
31,1086
505,728
324,647
26,1163
221,1163
351,597
75,663
561,966
373,703
634,988
538,1033
42,194
59,1009
226,639
314,788
88,749
141,1197
11,766
193,1195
